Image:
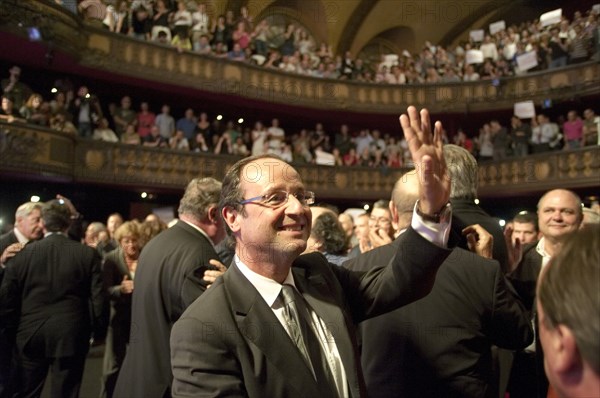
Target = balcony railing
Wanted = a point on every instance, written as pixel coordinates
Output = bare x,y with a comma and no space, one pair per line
121,55
41,154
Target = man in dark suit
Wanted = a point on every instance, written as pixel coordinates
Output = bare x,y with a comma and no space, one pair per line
236,339
28,227
168,278
463,171
50,300
559,217
440,346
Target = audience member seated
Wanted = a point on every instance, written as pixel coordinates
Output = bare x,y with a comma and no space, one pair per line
104,133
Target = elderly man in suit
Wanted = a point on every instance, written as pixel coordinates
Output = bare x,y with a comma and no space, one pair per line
440,346
278,324
173,270
51,299
28,227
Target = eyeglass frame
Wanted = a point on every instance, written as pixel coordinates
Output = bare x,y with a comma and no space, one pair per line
262,199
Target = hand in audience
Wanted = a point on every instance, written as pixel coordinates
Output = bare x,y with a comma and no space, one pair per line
515,252
10,252
480,241
211,276
378,237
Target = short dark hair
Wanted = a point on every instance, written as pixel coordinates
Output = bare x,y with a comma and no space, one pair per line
568,292
526,217
56,216
328,230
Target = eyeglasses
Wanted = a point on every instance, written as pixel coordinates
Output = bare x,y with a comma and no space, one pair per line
379,220
279,198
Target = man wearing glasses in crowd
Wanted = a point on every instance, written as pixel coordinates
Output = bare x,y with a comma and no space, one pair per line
278,324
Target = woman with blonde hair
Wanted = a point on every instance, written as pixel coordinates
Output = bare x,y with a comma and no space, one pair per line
118,272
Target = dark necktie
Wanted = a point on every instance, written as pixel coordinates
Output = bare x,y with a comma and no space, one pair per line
296,315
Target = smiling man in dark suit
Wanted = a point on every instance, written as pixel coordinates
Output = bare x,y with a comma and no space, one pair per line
50,300
237,339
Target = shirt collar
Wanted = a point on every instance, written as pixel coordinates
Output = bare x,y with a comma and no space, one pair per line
20,237
541,249
268,288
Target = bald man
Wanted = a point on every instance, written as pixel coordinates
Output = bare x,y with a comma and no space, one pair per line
440,345
559,217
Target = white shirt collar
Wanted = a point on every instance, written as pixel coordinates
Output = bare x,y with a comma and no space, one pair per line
541,249
20,237
268,288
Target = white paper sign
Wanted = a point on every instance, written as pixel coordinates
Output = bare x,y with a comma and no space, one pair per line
551,17
324,158
497,27
474,57
596,8
524,110
527,61
477,35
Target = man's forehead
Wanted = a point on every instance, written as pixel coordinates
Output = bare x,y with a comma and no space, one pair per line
268,172
380,210
523,225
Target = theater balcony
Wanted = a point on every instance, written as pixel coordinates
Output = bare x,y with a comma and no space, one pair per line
30,152
69,45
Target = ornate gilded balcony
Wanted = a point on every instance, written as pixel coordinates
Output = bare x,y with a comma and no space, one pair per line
41,154
120,55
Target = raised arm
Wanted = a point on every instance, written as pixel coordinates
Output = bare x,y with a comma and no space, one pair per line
425,147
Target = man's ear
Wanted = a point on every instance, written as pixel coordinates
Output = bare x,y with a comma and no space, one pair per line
213,214
394,215
567,355
231,217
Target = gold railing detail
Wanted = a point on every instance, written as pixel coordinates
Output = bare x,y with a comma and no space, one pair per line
46,154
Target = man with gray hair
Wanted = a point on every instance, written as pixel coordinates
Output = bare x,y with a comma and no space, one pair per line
464,179
27,227
51,302
173,270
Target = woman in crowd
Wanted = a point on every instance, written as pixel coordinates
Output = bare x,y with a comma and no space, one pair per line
33,110
118,272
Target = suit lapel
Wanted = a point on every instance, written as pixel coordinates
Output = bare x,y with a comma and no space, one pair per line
259,325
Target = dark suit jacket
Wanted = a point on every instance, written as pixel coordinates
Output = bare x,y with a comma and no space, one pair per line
524,279
230,343
525,276
46,294
466,212
168,279
6,240
440,345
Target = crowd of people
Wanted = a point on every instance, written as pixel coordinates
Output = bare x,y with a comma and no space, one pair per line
191,26
291,278
83,114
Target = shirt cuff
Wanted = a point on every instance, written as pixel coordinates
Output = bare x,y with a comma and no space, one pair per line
436,233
